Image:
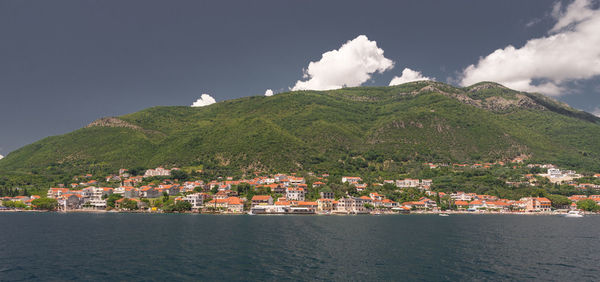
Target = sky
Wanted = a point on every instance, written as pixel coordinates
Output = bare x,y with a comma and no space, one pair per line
64,64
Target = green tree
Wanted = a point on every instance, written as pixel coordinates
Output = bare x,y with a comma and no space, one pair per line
179,206
45,204
8,204
559,201
179,175
165,197
14,204
110,201
588,205
129,204
137,171
243,188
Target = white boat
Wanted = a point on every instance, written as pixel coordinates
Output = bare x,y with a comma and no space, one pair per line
443,214
574,214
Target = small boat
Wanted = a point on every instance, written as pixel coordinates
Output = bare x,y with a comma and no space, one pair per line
443,214
574,214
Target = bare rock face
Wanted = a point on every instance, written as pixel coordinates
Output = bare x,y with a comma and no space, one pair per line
498,104
487,85
495,103
113,122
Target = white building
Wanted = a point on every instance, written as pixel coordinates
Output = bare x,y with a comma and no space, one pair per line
351,205
196,199
97,203
405,183
159,171
296,180
462,196
295,194
267,181
351,179
554,172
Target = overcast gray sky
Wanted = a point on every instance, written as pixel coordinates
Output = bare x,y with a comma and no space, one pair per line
64,64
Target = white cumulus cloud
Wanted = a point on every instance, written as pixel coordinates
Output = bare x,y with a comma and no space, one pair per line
269,92
350,65
204,100
408,75
596,112
1,157
569,52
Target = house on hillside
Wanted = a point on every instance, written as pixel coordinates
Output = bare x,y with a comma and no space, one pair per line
295,194
262,200
351,179
533,204
196,199
351,205
159,171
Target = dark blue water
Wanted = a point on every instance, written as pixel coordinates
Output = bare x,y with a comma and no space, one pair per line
53,246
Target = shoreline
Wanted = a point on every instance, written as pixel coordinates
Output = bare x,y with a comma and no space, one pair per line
308,214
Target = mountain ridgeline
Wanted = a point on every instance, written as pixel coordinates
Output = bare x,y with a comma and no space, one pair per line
346,130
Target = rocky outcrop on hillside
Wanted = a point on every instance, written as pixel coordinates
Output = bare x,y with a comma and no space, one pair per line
117,122
113,122
499,104
494,103
486,85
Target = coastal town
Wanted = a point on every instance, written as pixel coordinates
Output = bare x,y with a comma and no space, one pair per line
159,190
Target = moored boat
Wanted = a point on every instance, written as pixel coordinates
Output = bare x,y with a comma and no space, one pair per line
574,214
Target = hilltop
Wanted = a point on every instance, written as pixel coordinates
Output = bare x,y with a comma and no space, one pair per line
372,129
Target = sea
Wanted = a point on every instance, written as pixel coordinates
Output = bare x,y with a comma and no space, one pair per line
182,247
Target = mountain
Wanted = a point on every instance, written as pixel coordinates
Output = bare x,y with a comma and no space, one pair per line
346,130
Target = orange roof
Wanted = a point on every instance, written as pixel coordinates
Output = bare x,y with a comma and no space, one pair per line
213,201
261,198
461,203
59,189
274,185
234,201
413,203
307,203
